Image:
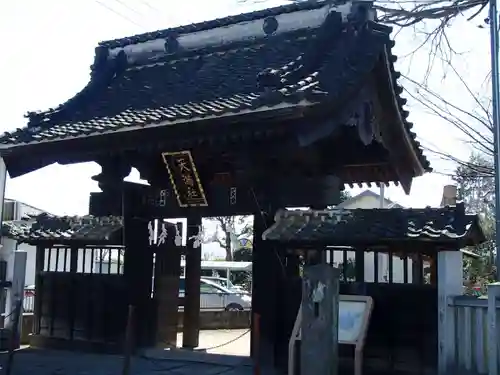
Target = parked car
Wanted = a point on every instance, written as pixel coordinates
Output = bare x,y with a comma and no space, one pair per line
215,296
226,283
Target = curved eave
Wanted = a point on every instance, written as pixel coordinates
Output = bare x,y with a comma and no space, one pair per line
92,88
22,158
406,138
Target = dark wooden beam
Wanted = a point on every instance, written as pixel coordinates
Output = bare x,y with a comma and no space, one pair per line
191,321
166,290
267,272
217,132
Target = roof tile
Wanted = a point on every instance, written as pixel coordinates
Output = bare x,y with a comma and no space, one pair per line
373,226
46,227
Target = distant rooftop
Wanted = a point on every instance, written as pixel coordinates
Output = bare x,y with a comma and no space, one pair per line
369,193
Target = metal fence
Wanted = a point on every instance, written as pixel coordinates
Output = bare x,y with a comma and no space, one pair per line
29,300
208,301
476,329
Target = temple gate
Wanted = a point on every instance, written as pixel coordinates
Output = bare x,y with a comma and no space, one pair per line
243,115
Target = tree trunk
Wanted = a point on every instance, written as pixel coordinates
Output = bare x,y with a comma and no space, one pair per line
229,253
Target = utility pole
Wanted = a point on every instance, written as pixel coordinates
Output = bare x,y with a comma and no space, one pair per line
496,123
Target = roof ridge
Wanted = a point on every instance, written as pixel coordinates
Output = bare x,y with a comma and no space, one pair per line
102,73
216,23
282,213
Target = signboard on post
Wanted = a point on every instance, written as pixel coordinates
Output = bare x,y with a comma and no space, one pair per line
353,318
184,179
245,243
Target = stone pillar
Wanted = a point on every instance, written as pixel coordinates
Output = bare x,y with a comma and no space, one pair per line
166,288
319,331
191,327
450,283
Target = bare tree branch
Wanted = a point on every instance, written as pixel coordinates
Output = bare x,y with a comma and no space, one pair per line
227,226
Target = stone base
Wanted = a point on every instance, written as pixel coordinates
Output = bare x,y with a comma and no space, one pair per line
40,341
6,340
196,356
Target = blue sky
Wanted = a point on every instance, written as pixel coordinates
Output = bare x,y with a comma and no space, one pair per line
48,47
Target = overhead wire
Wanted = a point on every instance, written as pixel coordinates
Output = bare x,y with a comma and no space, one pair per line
121,15
126,6
152,8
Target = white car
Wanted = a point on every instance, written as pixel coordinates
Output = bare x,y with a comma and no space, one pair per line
215,297
226,283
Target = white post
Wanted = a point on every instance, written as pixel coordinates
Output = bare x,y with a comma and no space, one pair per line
3,180
450,283
16,291
492,331
3,254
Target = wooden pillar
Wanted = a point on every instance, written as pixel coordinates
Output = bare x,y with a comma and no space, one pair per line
39,268
360,264
267,271
166,289
433,269
191,327
291,293
126,199
72,302
417,269
138,268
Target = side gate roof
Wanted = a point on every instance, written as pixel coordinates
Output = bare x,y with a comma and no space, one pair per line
444,227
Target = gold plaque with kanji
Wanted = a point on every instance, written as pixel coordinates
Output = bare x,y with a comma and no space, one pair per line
184,178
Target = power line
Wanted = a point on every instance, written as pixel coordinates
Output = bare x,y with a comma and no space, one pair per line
121,15
133,10
149,6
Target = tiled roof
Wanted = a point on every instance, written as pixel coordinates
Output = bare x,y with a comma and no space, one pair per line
45,227
376,226
307,65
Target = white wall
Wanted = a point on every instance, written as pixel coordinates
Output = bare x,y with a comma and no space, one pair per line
363,201
30,263
9,245
25,209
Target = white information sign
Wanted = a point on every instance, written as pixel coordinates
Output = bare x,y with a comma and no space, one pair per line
351,320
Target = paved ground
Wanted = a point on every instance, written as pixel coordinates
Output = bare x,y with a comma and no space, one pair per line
47,362
232,342
50,362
